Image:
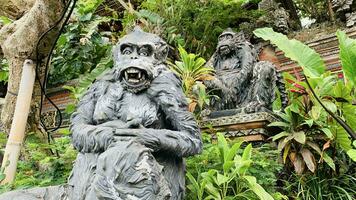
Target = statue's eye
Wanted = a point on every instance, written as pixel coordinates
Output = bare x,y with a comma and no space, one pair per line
127,51
144,51
228,37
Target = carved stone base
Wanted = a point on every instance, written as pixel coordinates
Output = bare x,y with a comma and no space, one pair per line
250,127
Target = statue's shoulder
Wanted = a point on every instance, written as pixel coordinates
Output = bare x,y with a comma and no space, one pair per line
168,78
103,82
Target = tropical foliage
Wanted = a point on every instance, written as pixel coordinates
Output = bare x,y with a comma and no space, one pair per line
192,71
228,178
310,135
82,46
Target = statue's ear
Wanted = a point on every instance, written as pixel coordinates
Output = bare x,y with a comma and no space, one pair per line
162,52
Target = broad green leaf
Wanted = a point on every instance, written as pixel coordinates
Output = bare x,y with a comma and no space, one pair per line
330,106
343,139
314,146
246,155
349,112
279,124
286,152
327,133
280,135
257,189
348,56
299,137
5,20
194,185
282,143
211,189
352,154
221,179
233,151
329,160
223,146
315,112
310,122
306,57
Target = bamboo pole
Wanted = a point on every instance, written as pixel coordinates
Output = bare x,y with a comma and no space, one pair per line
18,126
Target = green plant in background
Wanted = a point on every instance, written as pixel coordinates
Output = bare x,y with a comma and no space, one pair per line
39,167
321,186
199,23
229,178
311,138
4,70
82,46
192,71
308,131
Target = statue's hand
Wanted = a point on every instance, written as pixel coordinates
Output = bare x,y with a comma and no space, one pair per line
119,124
142,135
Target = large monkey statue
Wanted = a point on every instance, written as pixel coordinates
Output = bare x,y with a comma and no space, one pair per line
132,130
241,82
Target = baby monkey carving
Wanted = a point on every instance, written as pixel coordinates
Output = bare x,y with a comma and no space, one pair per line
132,128
241,82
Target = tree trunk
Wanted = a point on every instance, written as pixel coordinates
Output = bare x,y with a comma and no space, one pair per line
18,42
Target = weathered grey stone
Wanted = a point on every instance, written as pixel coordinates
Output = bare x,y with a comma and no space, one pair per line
242,82
132,129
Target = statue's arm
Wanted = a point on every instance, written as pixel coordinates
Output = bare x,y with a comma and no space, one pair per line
182,135
87,137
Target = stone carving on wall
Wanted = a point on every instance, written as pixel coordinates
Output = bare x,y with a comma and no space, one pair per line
243,83
345,10
132,130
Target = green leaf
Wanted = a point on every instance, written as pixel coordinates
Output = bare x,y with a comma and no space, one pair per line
221,179
5,20
330,106
299,137
315,112
328,133
306,57
342,139
280,135
329,160
279,124
257,188
247,153
348,56
310,122
352,154
233,151
314,146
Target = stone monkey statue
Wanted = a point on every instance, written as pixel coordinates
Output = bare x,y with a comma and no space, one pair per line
132,129
241,81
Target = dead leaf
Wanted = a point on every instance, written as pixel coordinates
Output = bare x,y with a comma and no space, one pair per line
326,145
309,159
299,165
192,106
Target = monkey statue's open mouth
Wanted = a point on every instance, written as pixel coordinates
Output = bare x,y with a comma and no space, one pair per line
134,75
135,79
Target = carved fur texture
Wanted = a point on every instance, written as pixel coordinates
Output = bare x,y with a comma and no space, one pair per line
241,81
132,140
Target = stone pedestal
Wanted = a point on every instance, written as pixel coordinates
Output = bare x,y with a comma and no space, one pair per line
249,127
